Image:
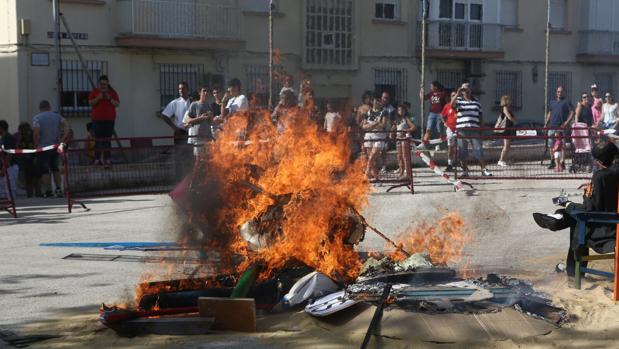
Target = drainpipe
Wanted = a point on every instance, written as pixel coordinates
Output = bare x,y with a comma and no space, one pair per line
546,59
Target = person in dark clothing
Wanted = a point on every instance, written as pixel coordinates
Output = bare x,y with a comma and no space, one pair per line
600,196
27,162
583,112
8,162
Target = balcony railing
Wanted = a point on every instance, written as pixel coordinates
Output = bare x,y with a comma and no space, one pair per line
462,36
598,42
199,19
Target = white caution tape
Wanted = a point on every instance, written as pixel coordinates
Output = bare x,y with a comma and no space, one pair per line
31,151
458,185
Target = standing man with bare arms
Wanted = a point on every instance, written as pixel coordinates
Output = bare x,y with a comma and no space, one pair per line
173,116
559,117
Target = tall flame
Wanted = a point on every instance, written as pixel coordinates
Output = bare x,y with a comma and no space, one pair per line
306,172
300,187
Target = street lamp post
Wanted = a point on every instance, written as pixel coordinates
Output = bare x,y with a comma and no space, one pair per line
423,62
56,17
546,63
271,9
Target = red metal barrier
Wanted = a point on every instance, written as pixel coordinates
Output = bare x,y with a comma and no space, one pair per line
139,165
529,153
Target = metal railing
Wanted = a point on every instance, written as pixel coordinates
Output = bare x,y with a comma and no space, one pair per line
598,42
462,35
142,165
205,19
529,153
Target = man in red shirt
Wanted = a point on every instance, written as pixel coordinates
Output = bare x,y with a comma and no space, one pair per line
450,116
104,101
437,99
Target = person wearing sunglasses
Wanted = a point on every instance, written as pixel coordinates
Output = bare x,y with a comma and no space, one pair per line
584,113
610,117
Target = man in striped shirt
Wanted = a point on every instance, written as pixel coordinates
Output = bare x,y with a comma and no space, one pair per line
469,113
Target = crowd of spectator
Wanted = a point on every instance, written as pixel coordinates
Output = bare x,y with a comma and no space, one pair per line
590,116
374,127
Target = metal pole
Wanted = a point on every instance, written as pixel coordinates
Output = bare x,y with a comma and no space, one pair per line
271,9
423,63
56,17
77,51
546,59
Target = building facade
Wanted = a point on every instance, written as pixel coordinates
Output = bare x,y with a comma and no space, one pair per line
343,46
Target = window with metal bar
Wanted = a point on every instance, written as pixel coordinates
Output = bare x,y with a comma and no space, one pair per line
329,33
387,9
171,74
76,85
509,83
394,81
450,79
605,82
257,81
556,79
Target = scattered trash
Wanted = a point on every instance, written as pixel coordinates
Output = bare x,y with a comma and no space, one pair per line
313,285
329,304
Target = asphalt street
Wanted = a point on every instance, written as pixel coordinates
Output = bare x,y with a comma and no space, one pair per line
36,283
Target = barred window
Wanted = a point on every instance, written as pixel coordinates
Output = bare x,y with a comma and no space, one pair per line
556,79
450,79
257,81
171,74
605,82
76,85
387,9
392,80
509,83
329,32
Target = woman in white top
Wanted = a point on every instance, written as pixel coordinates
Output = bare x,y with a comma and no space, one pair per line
610,117
373,124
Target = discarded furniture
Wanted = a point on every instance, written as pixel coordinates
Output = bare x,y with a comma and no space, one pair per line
583,218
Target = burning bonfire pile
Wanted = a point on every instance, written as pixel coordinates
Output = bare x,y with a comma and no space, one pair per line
274,210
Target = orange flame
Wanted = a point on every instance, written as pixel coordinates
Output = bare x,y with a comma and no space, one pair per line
308,171
443,242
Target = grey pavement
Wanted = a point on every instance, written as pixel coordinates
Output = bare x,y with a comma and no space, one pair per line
37,284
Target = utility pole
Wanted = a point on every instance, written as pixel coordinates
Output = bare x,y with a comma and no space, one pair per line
424,14
271,9
546,59
56,17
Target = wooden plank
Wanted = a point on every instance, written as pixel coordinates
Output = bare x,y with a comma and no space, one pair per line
231,314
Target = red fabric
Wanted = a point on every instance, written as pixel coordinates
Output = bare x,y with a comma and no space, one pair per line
104,110
449,114
437,101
